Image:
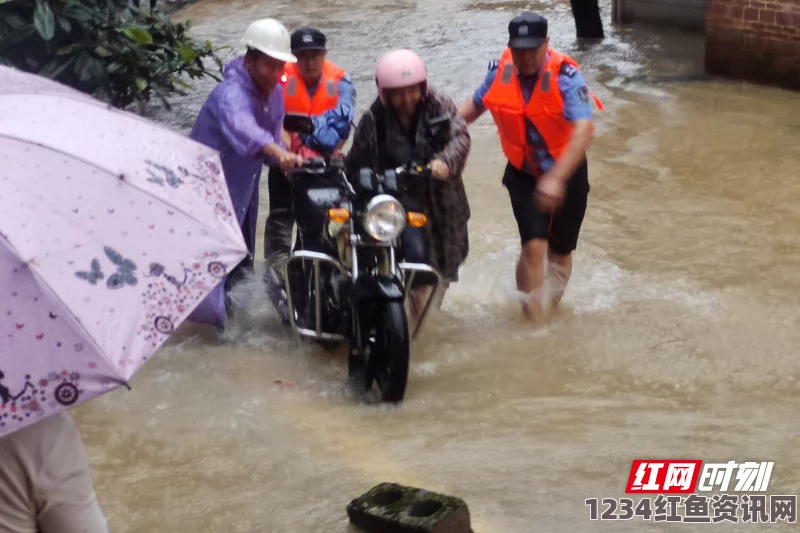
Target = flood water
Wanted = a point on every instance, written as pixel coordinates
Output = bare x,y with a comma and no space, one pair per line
678,339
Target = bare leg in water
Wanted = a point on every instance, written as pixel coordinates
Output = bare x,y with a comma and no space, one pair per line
419,297
530,278
560,267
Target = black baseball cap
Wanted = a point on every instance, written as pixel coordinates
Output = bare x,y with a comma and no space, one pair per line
527,30
308,39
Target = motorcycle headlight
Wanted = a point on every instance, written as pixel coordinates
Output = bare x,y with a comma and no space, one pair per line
385,218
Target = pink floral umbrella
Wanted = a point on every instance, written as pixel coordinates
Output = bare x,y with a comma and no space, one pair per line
112,230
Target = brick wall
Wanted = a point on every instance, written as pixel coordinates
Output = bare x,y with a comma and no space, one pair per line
755,40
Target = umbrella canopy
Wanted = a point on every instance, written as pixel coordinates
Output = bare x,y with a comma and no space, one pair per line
112,230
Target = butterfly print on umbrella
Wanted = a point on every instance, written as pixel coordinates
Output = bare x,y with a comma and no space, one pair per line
94,275
206,180
125,270
168,175
125,274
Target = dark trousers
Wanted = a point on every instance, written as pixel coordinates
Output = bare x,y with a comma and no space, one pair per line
278,228
247,266
416,250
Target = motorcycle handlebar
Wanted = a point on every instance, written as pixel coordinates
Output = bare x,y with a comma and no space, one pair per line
415,171
321,166
315,165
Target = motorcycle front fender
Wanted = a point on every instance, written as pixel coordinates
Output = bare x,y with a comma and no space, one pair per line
377,288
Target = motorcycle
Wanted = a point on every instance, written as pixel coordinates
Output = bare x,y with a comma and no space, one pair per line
344,280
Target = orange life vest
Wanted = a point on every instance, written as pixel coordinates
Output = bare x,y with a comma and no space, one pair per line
545,109
295,94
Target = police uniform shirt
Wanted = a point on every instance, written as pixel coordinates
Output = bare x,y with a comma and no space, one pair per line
577,104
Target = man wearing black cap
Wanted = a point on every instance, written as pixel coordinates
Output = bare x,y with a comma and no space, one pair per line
317,87
313,86
542,108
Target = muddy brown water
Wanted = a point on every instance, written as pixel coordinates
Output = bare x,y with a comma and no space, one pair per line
678,339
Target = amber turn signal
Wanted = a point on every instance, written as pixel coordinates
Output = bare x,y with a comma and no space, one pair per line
417,220
339,215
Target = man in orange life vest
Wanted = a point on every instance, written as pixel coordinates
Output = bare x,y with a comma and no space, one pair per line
313,86
542,109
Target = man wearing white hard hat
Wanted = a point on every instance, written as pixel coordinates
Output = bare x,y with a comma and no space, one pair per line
242,119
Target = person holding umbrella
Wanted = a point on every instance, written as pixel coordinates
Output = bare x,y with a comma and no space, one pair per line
243,119
145,231
45,479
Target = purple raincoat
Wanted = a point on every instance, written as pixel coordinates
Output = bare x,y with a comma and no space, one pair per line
238,121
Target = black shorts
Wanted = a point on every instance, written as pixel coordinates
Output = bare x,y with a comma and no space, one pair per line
562,228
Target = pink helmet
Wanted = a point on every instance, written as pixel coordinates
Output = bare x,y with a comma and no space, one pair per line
400,68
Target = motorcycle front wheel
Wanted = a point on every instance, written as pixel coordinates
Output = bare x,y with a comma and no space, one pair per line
390,351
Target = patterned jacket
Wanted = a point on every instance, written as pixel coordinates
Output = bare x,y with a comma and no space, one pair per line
446,201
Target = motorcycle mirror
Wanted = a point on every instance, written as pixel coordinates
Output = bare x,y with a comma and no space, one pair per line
366,179
298,123
390,181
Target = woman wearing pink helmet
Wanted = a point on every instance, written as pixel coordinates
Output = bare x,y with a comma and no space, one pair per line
397,130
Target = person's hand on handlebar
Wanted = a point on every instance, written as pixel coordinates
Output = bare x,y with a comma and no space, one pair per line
439,169
288,161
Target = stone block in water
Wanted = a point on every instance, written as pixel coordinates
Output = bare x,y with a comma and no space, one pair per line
393,508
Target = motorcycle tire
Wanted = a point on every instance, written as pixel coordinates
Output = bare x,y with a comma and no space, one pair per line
391,354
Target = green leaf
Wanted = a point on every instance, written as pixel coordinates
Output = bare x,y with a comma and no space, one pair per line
188,54
65,24
78,14
96,69
15,21
64,50
139,35
113,67
44,20
98,45
182,83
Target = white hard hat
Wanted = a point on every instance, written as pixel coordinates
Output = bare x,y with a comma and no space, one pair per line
270,37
